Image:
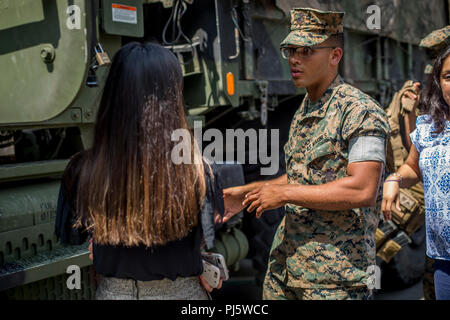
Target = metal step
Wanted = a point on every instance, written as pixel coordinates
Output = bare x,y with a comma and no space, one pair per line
42,266
32,170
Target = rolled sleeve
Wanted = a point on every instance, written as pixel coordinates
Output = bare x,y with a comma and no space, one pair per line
414,136
367,148
423,126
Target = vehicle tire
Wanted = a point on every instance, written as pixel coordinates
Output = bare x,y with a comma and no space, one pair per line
260,232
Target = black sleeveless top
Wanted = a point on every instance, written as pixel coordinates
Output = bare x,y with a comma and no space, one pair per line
180,258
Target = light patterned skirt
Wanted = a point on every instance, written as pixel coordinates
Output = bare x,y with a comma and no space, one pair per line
126,289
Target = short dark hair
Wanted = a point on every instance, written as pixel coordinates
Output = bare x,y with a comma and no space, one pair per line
337,40
432,101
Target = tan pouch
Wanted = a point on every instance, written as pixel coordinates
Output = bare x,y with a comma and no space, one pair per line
416,221
388,250
379,237
409,206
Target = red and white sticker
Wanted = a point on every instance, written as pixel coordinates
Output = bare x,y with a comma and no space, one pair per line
122,13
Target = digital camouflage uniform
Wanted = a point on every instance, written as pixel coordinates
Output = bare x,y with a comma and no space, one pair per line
434,43
437,40
325,254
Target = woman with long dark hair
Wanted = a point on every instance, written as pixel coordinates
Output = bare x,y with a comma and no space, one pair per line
429,161
141,208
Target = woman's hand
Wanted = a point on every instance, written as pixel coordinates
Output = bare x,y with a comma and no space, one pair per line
94,276
206,285
391,190
91,255
217,217
233,198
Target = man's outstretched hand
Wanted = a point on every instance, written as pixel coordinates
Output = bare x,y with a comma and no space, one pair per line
259,198
264,198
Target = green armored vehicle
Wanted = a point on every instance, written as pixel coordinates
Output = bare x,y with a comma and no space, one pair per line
53,65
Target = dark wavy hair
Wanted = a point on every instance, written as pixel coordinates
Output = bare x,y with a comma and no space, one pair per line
130,192
433,102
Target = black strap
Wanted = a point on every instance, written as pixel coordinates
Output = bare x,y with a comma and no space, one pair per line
93,26
212,171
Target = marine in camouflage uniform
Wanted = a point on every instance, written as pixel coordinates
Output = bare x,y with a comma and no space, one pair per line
324,254
401,107
435,42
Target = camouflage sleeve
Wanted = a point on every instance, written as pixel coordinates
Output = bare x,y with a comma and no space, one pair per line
364,119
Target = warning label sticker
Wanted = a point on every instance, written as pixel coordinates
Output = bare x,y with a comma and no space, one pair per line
122,13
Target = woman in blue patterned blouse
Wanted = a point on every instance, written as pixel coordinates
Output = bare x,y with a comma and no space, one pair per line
429,161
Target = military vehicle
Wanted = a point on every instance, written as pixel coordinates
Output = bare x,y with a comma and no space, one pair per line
53,62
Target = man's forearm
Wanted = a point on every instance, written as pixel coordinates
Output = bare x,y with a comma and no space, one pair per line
279,180
340,194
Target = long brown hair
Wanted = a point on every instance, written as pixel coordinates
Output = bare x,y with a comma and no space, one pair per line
432,101
130,192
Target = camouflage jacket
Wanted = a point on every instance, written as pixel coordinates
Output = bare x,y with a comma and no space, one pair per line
327,249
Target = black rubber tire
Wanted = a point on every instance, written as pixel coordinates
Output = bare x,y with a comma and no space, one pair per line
260,232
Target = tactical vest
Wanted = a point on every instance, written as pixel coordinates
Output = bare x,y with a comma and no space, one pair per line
395,234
